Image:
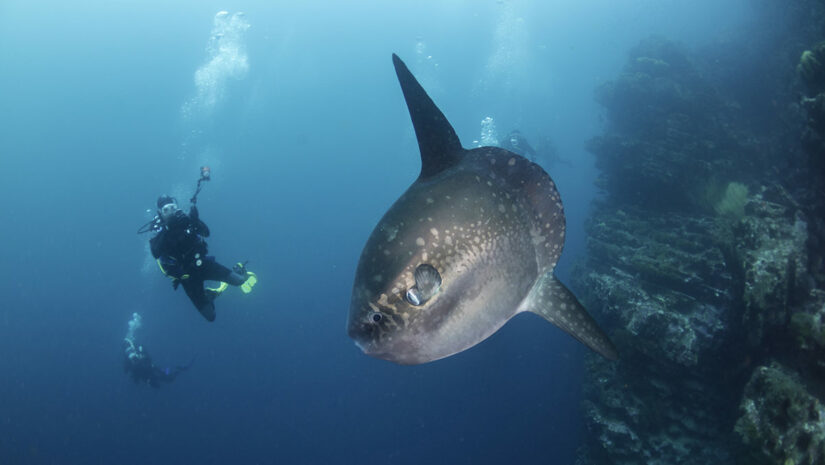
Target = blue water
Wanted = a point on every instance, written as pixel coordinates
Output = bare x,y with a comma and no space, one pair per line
303,123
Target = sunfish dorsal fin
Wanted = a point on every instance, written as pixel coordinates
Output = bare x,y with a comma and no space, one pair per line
437,140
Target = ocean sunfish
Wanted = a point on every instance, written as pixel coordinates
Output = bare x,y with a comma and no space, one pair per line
471,243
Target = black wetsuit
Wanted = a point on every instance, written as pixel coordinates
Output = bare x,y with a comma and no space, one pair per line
181,249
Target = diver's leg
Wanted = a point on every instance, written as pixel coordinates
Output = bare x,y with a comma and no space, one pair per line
214,271
194,289
167,375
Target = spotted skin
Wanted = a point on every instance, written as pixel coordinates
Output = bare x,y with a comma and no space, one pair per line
555,303
490,222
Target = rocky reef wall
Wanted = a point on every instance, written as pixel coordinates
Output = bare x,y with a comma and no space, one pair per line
706,253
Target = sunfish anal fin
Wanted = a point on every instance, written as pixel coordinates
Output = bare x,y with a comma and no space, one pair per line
550,299
437,140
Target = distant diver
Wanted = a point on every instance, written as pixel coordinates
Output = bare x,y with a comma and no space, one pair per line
517,143
545,152
180,250
138,363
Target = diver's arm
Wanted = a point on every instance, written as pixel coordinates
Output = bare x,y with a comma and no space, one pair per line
197,224
203,229
155,244
193,213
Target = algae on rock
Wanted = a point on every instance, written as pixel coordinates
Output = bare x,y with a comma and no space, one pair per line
781,421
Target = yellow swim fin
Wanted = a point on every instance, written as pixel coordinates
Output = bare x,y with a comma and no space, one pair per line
251,280
217,290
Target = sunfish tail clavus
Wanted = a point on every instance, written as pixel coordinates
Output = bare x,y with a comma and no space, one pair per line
471,243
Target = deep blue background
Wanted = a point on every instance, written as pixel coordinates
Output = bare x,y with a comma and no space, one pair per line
308,151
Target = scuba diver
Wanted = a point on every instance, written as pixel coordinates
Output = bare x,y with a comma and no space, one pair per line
517,143
181,252
138,363
546,152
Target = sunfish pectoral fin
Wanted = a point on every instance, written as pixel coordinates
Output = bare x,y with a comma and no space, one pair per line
550,299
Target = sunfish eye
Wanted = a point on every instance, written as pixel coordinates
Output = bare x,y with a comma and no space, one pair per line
376,317
427,284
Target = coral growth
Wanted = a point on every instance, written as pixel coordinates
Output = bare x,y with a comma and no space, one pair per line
811,68
732,201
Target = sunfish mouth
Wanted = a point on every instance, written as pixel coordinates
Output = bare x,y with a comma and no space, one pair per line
363,346
394,354
369,349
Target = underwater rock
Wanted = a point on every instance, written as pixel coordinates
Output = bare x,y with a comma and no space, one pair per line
770,243
669,137
811,72
808,327
700,268
815,108
663,282
781,422
675,287
665,252
807,332
635,415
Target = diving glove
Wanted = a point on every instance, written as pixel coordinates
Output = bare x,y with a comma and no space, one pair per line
240,268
